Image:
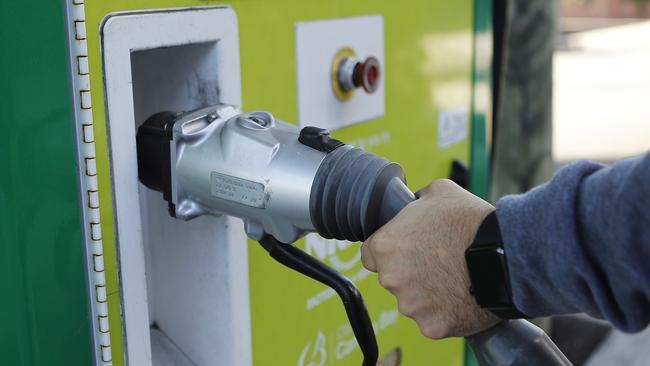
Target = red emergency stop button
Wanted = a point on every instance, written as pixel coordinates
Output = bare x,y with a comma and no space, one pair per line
366,75
350,73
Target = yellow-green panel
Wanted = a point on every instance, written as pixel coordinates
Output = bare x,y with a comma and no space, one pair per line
428,69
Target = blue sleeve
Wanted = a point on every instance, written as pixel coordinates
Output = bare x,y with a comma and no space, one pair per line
581,243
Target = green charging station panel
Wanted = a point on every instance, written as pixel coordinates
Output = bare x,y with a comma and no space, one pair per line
62,284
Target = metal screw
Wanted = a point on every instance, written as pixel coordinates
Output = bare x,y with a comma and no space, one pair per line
211,117
260,121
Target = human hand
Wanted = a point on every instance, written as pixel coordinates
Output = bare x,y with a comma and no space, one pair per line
420,258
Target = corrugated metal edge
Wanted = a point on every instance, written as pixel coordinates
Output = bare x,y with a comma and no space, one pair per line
88,186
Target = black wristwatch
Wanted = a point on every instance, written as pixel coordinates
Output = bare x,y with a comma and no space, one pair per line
488,271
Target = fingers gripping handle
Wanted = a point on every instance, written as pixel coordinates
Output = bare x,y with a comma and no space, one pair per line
296,259
509,343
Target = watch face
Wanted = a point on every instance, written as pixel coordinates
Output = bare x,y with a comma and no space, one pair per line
487,271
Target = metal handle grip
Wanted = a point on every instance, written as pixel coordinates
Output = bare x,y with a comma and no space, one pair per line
516,343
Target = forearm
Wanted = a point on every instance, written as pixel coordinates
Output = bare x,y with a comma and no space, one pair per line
581,243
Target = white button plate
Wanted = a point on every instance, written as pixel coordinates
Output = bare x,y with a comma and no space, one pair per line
317,42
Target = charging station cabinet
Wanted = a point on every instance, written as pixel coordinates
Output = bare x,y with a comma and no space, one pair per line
198,292
161,291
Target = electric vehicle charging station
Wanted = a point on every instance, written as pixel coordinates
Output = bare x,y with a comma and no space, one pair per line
197,291
162,291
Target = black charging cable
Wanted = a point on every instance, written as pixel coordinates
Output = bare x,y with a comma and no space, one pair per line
294,258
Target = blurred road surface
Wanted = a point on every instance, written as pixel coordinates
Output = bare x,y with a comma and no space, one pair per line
602,94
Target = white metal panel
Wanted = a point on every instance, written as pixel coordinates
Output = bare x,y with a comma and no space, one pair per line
317,43
190,279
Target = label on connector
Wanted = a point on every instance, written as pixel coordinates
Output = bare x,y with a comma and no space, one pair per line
238,190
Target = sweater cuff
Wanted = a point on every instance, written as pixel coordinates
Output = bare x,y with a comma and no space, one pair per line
540,237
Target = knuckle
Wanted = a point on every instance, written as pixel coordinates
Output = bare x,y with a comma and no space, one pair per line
375,249
407,308
365,248
382,247
433,330
388,282
367,261
435,187
364,257
443,184
373,242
